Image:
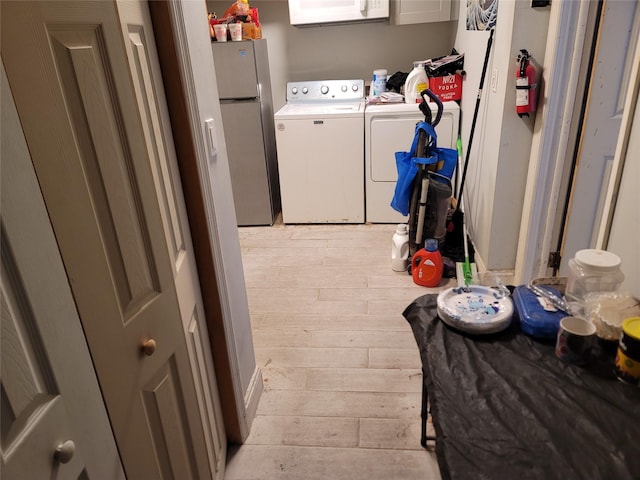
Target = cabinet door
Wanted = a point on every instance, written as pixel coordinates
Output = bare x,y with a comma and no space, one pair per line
423,11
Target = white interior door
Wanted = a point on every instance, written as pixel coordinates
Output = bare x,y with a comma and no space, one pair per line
50,393
149,92
88,102
597,144
620,226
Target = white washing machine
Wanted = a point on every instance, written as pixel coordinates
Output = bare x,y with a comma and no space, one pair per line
320,144
390,128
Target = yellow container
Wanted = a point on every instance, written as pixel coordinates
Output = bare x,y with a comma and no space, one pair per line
628,355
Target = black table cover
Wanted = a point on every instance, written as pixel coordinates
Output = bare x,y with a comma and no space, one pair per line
505,407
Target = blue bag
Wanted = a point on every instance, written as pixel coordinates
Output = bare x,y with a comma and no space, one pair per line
407,165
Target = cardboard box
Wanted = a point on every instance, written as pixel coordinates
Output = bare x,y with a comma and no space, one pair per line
447,87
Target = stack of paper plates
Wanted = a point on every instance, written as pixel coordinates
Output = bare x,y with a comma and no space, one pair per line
475,309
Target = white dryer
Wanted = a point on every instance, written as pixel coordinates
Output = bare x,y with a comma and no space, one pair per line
320,144
390,128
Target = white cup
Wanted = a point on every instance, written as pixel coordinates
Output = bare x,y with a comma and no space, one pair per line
221,32
576,337
236,32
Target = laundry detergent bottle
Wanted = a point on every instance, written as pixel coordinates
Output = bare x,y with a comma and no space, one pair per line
416,82
427,265
400,249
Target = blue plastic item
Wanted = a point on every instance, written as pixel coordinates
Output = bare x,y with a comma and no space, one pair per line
407,165
535,320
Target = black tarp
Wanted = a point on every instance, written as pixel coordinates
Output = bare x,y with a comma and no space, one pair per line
505,407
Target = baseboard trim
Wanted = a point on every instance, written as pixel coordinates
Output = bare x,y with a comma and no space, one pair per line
251,400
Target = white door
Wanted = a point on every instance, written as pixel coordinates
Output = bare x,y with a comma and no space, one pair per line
92,113
603,112
150,97
620,226
50,393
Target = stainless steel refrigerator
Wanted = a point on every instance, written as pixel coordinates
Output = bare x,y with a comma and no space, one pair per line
244,87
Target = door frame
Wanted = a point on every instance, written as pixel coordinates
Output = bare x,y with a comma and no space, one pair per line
554,137
195,148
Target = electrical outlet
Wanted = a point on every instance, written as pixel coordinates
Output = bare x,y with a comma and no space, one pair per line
494,80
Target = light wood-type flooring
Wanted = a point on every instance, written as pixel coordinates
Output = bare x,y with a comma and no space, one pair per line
341,369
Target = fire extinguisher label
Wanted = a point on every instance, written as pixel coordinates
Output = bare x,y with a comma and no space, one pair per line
522,94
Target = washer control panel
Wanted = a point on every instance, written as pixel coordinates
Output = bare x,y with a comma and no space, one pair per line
325,91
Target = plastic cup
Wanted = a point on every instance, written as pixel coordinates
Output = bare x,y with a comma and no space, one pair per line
236,32
220,31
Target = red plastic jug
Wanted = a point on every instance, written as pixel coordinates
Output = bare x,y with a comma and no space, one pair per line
426,265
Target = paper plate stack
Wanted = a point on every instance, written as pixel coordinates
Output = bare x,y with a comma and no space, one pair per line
475,309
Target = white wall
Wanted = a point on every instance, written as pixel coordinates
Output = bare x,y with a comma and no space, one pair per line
499,157
341,51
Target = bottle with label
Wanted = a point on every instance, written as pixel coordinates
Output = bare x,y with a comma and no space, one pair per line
416,82
400,249
427,265
379,83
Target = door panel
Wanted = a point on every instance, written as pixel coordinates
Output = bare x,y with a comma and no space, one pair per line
247,162
49,392
33,412
146,76
238,60
106,160
97,165
608,83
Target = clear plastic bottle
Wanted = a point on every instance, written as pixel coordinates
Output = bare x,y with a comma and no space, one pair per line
416,82
591,271
400,249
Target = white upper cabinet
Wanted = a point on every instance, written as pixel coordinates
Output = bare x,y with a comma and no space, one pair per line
312,12
405,12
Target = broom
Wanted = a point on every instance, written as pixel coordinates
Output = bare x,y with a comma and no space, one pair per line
466,271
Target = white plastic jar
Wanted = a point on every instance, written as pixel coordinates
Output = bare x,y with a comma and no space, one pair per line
379,83
591,271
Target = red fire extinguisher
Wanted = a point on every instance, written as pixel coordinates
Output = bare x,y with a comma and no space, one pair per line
525,85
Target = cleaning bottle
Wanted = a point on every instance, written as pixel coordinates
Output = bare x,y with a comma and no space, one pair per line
416,82
379,83
427,265
400,249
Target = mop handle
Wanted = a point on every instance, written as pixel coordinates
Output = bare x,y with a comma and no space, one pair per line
475,112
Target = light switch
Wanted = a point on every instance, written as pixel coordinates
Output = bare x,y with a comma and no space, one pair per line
210,133
494,80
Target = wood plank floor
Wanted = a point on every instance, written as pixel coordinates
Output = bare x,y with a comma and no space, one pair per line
340,366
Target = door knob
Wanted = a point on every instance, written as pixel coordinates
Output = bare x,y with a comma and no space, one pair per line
149,347
64,451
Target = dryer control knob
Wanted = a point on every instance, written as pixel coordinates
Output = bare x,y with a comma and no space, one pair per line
354,87
324,89
343,88
305,90
294,90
